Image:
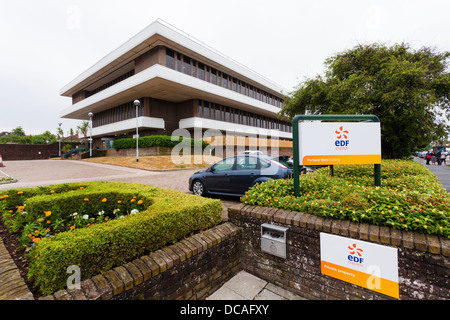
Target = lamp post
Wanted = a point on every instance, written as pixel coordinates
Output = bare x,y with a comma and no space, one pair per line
137,103
59,133
90,148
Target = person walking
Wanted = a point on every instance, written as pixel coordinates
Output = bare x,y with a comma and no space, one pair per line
433,158
438,157
428,157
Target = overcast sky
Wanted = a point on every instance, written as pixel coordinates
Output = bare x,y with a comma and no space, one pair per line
47,43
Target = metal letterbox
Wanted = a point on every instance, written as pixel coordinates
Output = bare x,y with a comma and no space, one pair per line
273,239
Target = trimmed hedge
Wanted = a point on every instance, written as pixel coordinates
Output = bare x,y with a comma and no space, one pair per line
168,217
155,141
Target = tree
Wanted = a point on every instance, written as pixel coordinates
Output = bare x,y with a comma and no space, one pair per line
407,89
18,131
83,128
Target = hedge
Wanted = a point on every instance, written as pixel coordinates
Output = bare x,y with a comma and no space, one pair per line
410,198
166,217
155,141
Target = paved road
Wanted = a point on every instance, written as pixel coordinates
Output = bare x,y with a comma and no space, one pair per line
442,172
32,173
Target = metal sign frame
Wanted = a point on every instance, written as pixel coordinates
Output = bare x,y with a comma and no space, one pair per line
295,136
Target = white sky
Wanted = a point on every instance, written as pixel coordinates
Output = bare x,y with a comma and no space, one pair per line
44,44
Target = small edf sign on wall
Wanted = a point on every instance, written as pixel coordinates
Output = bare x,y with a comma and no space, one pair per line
333,143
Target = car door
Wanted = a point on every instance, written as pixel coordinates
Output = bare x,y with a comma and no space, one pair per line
246,171
218,178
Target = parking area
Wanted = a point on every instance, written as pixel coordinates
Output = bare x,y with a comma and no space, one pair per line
35,173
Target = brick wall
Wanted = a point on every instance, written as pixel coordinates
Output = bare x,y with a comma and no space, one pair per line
191,269
11,152
423,260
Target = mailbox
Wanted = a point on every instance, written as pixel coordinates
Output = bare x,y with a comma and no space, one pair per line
273,239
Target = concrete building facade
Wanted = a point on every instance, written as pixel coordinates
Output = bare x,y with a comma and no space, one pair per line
181,83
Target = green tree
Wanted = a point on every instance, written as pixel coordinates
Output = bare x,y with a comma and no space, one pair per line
18,131
83,128
407,89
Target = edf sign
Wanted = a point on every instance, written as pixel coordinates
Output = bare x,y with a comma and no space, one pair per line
336,142
330,143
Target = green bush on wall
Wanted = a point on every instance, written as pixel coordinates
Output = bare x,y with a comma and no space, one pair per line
410,198
167,217
155,141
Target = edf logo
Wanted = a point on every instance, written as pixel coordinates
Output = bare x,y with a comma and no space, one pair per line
342,141
355,255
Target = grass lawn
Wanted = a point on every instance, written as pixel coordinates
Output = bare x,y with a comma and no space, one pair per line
156,162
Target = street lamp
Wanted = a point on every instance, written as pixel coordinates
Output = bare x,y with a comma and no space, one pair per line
90,114
59,133
137,103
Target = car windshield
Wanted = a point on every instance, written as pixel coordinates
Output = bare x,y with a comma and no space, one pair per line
285,161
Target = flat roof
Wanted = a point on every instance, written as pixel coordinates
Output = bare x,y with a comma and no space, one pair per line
161,33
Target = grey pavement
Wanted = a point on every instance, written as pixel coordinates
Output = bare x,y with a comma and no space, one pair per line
442,172
33,173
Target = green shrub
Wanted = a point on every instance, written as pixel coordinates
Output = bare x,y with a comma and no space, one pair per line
411,197
167,217
155,141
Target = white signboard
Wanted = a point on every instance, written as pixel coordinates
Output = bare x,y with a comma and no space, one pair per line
362,263
330,143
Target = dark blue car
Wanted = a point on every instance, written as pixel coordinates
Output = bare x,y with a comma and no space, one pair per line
233,176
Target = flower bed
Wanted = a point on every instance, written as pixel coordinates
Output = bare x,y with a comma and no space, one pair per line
411,197
97,226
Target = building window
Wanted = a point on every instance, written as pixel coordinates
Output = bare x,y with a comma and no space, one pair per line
200,110
213,76
194,68
201,71
170,59
187,65
179,62
224,80
206,113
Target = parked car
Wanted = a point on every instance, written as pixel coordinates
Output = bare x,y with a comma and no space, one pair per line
233,176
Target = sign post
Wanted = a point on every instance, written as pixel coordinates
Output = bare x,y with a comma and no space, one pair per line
330,143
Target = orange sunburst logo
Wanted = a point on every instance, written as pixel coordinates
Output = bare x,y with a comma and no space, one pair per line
341,133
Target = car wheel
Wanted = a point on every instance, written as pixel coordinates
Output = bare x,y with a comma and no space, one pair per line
198,188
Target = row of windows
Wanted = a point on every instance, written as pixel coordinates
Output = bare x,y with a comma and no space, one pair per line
179,62
110,83
123,112
214,111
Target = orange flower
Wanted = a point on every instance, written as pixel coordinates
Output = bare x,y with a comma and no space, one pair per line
72,227
48,213
81,188
86,199
119,201
20,192
36,239
140,202
47,230
48,221
30,235
104,200
53,191
36,231
132,200
21,207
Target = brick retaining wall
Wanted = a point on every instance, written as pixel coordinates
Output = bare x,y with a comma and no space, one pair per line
191,269
423,260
